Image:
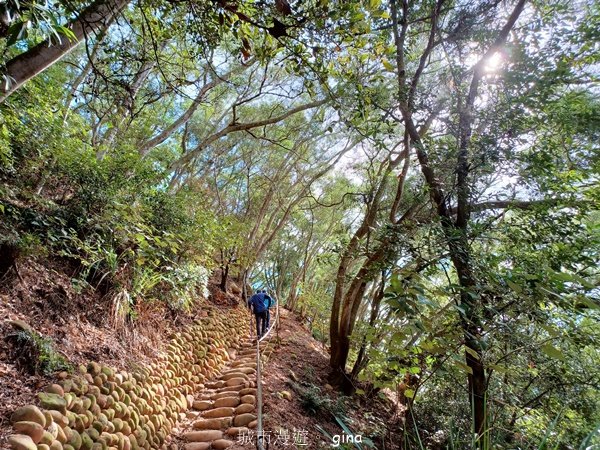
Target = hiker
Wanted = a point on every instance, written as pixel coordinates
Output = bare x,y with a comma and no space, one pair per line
257,305
269,303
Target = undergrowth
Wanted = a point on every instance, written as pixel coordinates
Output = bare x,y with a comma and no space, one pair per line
35,353
315,402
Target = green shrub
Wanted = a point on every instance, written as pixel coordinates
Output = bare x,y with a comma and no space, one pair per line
188,281
36,353
113,218
314,402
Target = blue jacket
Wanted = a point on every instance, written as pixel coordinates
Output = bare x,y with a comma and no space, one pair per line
269,301
257,302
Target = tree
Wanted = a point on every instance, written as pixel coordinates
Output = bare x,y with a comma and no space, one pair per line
30,63
418,181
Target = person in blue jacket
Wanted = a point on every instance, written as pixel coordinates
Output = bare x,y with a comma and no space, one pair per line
257,304
269,303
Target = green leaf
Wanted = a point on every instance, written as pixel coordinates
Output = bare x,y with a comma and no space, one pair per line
409,393
16,31
498,368
388,65
463,367
588,439
514,286
472,352
586,301
460,309
551,330
553,352
572,278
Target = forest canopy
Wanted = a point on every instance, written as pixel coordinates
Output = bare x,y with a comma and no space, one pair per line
419,180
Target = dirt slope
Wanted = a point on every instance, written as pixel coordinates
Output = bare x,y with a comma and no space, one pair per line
296,400
297,397
78,325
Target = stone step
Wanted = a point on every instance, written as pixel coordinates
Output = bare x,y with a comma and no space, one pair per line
202,405
237,388
228,393
247,362
224,408
203,435
236,381
248,391
230,375
240,369
236,431
243,420
212,424
197,446
221,444
244,408
227,401
218,412
250,399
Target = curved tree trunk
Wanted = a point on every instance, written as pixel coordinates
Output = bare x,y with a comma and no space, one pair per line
455,232
224,274
183,119
37,59
362,357
340,344
347,319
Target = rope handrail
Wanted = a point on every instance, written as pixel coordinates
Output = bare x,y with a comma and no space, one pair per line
259,424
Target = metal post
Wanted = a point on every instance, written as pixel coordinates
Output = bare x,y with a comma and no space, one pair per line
259,424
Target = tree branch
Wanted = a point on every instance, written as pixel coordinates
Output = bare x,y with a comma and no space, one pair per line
234,127
521,204
187,115
28,64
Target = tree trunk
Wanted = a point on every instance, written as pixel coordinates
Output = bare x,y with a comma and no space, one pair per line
337,361
89,65
245,286
347,320
35,60
455,232
224,276
346,303
470,323
293,295
362,359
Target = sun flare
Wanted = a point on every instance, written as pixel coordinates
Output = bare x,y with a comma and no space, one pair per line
493,63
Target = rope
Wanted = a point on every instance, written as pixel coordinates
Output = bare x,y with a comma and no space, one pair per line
259,424
259,403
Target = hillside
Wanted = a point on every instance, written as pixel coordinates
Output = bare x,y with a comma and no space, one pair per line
70,329
415,184
297,397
